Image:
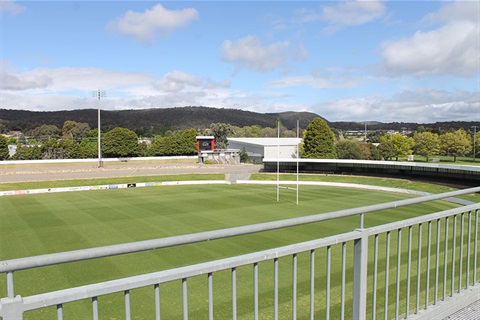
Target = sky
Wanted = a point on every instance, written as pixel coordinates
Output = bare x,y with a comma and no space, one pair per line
388,61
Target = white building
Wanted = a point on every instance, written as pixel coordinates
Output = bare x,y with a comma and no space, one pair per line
259,148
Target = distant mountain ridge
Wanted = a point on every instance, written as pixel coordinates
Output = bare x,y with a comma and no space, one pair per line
156,120
179,118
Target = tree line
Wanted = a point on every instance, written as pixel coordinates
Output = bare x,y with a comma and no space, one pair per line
76,140
319,141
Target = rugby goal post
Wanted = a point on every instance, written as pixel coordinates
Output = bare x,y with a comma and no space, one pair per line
297,154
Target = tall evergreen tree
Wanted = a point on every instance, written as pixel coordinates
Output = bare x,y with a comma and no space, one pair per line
3,148
319,140
120,142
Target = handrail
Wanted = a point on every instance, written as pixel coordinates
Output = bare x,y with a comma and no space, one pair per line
138,281
118,249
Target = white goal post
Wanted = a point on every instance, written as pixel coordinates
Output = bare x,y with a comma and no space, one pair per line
297,154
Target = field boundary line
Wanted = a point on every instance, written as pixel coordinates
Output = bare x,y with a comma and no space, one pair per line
353,185
111,186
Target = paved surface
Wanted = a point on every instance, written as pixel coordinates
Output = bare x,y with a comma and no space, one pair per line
472,312
24,173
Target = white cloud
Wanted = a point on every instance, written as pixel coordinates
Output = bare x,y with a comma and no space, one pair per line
23,82
211,84
177,80
420,106
450,49
349,13
249,53
319,79
10,7
144,27
65,79
70,88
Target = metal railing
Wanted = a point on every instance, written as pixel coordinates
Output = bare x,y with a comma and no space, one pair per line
431,272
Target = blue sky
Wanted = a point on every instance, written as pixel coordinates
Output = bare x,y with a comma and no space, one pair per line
402,61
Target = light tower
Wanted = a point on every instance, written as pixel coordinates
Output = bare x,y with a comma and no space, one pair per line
99,94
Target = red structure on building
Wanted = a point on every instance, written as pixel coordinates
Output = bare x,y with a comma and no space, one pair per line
205,143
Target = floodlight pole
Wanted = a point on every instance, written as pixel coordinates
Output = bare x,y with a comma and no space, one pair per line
99,94
298,154
278,160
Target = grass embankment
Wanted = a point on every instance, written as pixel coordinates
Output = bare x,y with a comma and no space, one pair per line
46,223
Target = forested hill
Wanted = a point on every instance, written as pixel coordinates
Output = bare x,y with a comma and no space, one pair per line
161,120
154,120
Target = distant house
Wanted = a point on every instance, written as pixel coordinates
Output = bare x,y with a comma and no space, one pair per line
259,148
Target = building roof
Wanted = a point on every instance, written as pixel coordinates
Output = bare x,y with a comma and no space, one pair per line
267,141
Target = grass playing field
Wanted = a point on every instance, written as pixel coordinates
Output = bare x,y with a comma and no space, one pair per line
40,224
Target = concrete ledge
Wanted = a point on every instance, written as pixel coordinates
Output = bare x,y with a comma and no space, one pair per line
444,309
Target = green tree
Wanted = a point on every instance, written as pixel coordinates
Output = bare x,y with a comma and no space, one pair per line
3,126
401,144
188,142
60,149
221,131
386,150
87,149
12,140
319,140
455,144
182,143
3,148
374,137
67,127
120,142
50,149
243,156
269,132
157,147
27,152
374,152
477,144
45,132
75,131
426,144
252,131
349,149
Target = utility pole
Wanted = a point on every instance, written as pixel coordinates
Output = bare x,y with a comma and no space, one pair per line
99,94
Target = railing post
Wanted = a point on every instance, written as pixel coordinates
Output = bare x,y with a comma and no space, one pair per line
11,308
359,310
10,290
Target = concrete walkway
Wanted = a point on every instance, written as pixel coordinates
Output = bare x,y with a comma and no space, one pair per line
26,173
472,312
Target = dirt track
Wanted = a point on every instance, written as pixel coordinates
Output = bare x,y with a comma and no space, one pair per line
26,173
